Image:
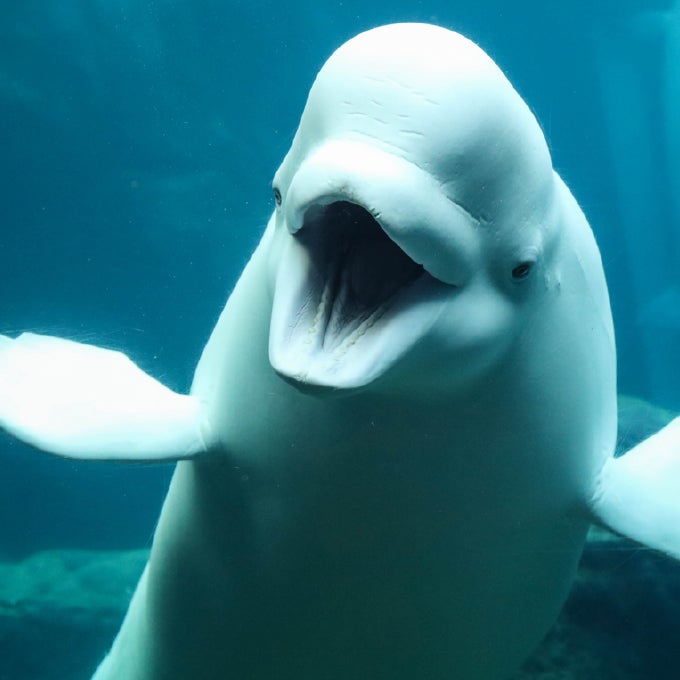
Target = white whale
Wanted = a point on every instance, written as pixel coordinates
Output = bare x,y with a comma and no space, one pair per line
403,422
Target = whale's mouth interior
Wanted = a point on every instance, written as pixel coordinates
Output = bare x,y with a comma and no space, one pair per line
349,303
357,268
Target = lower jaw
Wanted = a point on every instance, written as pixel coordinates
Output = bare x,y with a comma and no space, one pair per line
323,353
315,362
314,389
323,365
322,343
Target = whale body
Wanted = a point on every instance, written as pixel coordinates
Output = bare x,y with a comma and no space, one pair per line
404,421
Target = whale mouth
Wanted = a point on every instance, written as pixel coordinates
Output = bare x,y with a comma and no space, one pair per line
361,268
348,301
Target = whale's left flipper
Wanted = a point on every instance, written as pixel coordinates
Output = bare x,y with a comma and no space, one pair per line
639,493
81,401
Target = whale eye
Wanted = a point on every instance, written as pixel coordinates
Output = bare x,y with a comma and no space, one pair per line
522,271
277,196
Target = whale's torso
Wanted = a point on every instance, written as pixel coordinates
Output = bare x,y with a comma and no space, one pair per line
374,535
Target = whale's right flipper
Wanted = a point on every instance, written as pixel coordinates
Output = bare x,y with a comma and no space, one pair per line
81,401
639,493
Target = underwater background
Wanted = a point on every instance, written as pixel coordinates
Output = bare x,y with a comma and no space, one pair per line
137,145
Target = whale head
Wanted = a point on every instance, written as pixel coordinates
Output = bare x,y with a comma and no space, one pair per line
412,218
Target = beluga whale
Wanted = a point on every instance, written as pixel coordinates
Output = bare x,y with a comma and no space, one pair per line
403,423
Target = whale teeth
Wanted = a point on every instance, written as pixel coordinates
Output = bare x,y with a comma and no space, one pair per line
361,266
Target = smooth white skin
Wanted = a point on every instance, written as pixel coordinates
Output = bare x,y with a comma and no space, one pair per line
427,524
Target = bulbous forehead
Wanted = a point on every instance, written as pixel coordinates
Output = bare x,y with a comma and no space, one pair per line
432,97
419,58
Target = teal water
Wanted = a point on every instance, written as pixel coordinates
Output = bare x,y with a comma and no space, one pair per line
138,142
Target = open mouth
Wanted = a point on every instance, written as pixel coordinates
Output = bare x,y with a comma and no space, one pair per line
349,301
361,268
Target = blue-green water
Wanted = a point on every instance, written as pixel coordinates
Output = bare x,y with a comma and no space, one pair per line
137,146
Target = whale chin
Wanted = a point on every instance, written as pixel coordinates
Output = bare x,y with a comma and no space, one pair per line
348,302
313,389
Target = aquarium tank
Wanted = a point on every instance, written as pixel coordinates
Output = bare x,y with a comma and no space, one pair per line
138,145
